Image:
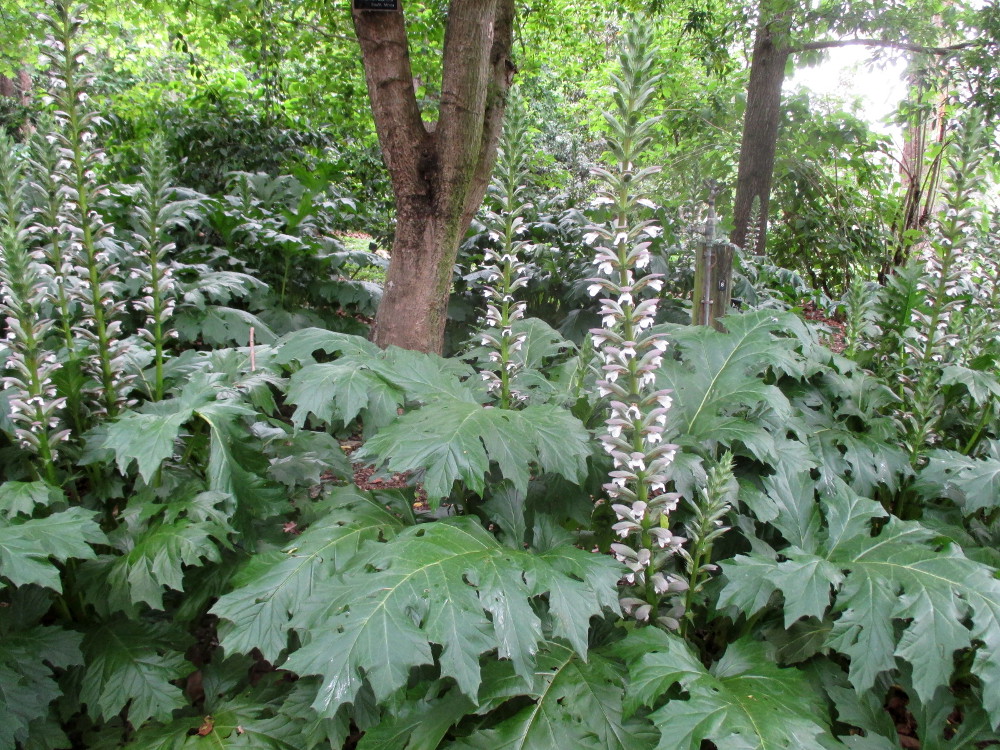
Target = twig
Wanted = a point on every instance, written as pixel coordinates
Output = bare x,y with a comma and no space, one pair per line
253,353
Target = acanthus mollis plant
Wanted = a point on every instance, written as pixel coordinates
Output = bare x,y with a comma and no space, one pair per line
156,214
937,337
706,525
24,285
632,353
505,272
91,248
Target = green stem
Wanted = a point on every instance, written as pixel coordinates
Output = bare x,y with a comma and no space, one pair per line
63,608
978,433
284,278
693,585
157,315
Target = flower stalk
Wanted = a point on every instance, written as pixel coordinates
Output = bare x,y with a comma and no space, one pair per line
704,528
90,237
505,269
631,352
34,404
156,214
935,340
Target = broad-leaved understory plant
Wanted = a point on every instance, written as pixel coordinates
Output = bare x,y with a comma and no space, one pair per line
666,537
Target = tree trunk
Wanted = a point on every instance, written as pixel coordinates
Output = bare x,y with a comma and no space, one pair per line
760,132
920,178
19,88
439,171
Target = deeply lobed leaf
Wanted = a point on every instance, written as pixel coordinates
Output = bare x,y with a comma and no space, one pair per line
274,585
743,701
26,548
457,440
449,583
133,663
898,595
27,681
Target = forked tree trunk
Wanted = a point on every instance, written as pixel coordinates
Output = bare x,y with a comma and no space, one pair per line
439,171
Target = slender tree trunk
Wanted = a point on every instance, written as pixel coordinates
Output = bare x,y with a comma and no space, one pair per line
439,171
760,132
920,176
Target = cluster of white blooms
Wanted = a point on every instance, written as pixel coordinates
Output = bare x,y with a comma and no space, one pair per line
504,276
630,355
504,268
50,232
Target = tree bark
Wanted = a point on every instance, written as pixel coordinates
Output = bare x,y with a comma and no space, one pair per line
760,133
19,88
439,171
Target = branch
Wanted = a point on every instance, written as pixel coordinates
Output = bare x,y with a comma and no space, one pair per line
502,71
907,46
386,58
468,42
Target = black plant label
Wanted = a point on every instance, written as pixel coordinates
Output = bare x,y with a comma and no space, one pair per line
376,4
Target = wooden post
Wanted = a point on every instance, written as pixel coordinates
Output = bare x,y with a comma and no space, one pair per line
701,306
712,273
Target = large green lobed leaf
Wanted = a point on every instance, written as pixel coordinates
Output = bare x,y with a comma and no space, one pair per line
576,704
743,702
27,548
900,595
452,440
256,614
717,379
448,583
